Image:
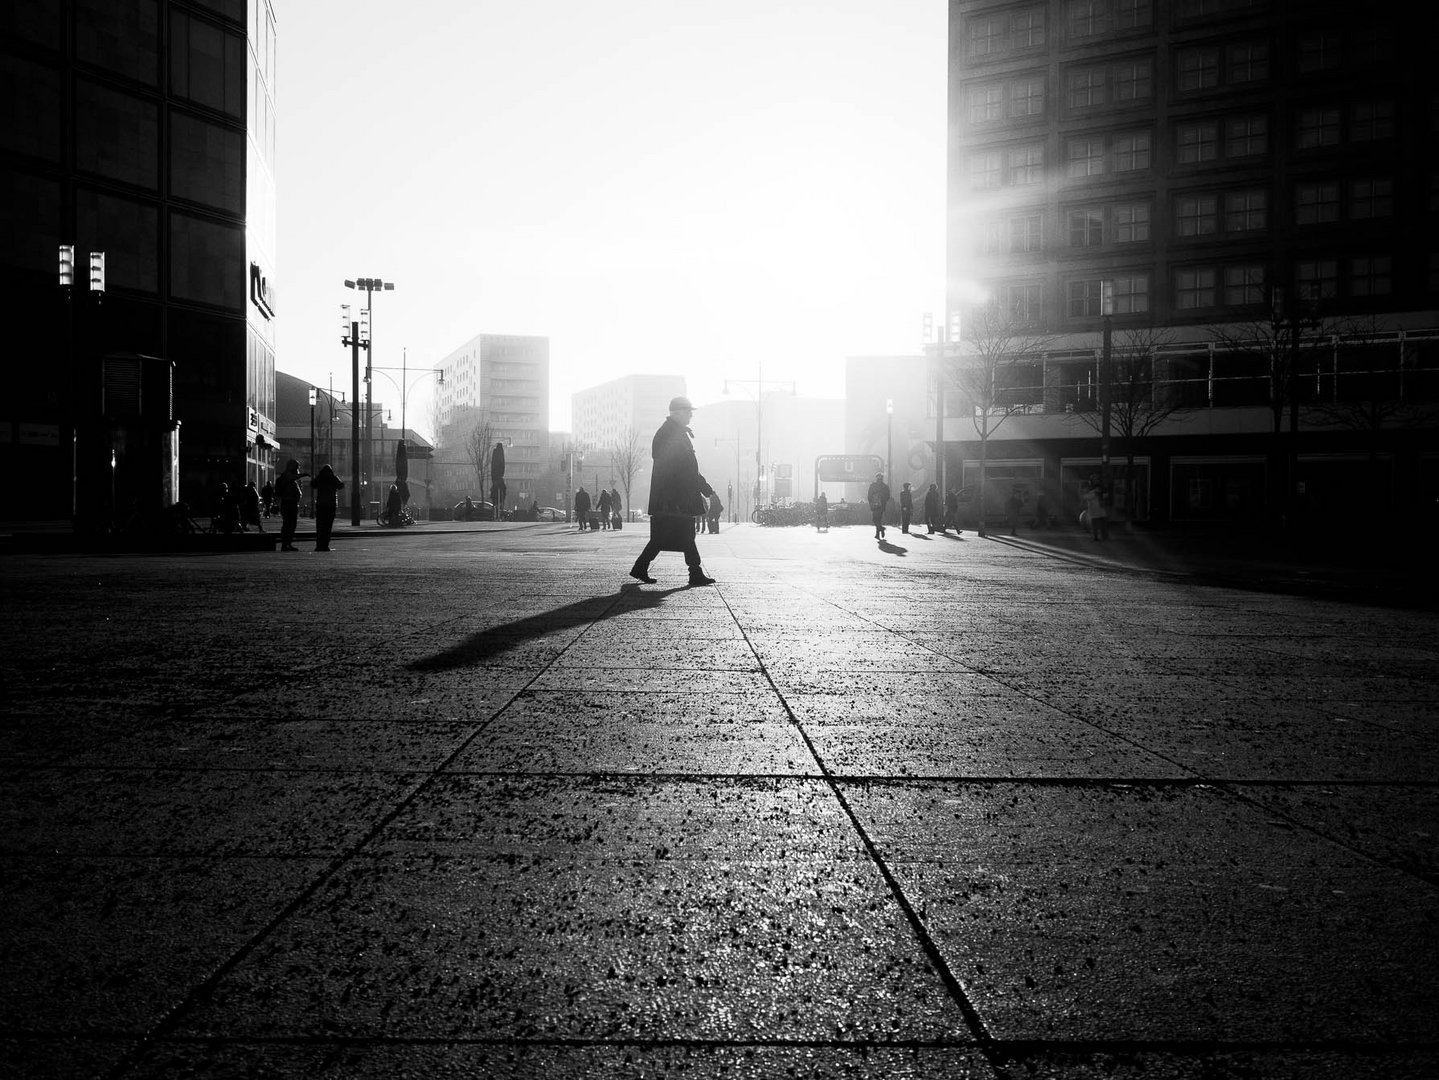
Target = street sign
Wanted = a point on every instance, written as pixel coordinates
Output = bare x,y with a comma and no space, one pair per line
848,468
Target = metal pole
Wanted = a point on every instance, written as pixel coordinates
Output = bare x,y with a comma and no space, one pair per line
940,358
355,423
1106,379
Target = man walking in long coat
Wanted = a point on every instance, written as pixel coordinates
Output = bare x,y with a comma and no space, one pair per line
676,490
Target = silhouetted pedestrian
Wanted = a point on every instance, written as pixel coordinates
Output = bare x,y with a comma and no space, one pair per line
821,511
906,508
287,489
677,493
325,487
604,508
394,503
1095,511
250,506
1013,507
878,497
931,510
582,508
951,510
716,508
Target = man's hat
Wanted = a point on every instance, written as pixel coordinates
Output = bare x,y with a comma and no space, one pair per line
680,403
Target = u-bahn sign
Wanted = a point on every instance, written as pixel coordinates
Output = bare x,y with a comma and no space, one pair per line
848,468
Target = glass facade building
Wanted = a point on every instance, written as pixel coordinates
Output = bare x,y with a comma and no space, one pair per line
144,129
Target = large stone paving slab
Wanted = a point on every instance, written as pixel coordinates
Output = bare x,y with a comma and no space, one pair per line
999,733
133,812
583,731
1135,913
465,1061
640,909
111,945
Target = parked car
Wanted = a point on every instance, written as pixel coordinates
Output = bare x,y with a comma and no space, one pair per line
480,510
549,513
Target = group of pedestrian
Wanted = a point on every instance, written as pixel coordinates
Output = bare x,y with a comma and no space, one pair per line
601,514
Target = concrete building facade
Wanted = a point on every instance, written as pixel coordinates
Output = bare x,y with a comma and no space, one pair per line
614,424
1240,198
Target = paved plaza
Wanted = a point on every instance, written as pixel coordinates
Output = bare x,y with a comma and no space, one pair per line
465,801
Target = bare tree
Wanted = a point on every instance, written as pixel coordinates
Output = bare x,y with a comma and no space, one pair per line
999,372
477,448
1285,348
627,458
1138,402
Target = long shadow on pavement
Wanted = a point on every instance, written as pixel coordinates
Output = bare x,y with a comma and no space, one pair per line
479,647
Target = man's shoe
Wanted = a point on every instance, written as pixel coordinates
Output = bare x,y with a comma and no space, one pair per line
698,577
640,575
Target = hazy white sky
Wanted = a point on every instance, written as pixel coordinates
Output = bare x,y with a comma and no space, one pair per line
708,189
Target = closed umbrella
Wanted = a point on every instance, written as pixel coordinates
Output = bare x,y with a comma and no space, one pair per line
497,477
402,471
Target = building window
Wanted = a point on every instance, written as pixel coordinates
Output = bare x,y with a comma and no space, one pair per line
1198,142
1316,204
1318,52
996,237
1133,80
1317,277
1132,151
1198,215
1085,87
1131,222
1131,294
984,170
1086,228
1318,127
1083,298
1086,18
1194,288
1132,14
1027,98
1084,157
1370,120
1246,211
986,37
1026,165
1026,233
1027,28
1198,69
1247,62
1243,285
986,104
1371,197
1246,136
1021,303
1371,276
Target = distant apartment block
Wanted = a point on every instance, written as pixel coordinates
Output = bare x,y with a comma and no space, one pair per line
499,382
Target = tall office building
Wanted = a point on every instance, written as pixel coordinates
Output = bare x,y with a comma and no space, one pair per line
503,381
1247,192
144,131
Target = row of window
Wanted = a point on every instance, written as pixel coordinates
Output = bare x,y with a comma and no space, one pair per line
1123,152
996,35
1196,214
1201,287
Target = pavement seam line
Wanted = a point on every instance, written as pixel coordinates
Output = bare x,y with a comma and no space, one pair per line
206,986
927,943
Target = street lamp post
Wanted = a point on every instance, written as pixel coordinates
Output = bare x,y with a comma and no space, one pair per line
1106,381
947,335
370,286
350,334
313,392
735,440
889,453
758,385
570,454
